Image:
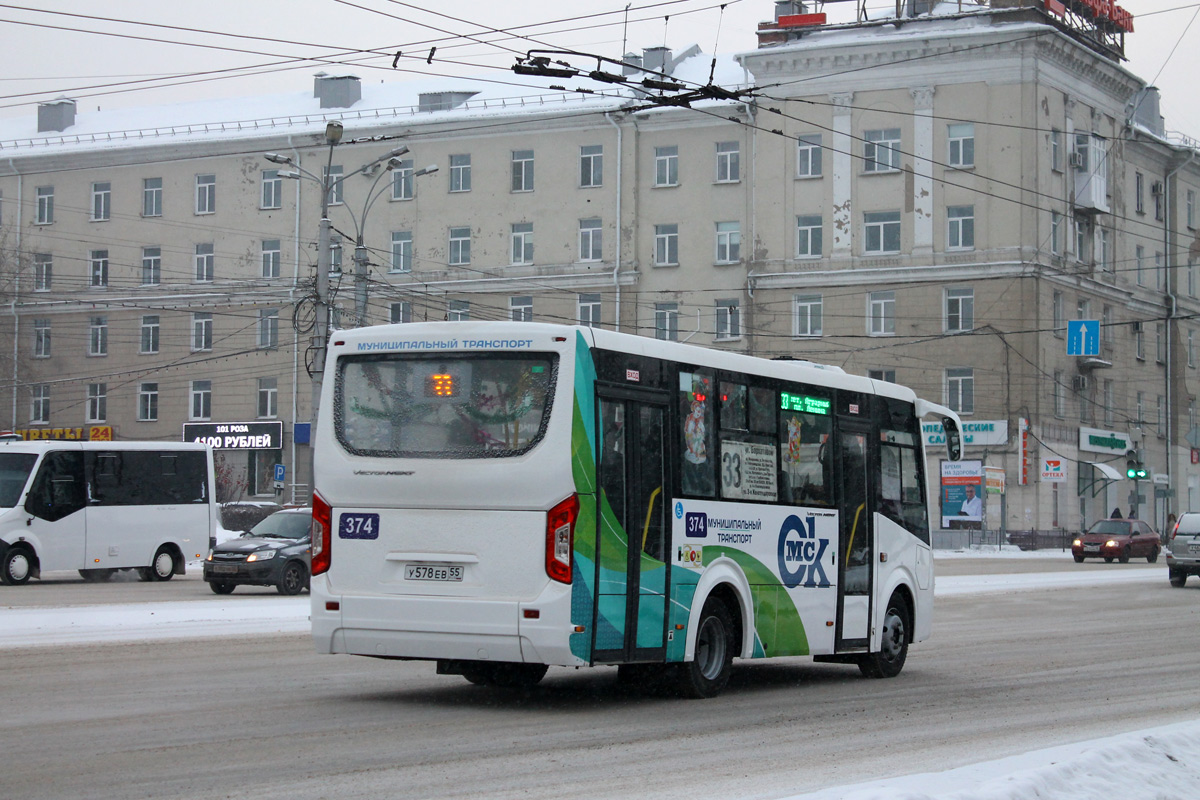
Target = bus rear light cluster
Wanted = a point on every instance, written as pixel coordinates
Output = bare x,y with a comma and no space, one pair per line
560,538
322,527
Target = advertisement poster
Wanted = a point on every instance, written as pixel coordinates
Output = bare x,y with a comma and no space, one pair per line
962,494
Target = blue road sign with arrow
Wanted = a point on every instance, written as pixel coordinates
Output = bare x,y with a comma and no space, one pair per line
1083,337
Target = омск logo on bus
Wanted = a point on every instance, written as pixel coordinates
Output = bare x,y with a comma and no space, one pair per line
801,553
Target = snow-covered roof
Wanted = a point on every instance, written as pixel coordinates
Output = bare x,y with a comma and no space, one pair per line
300,113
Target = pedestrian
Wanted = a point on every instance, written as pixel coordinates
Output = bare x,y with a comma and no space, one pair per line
1116,513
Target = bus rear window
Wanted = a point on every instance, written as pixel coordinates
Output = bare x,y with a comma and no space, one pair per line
474,405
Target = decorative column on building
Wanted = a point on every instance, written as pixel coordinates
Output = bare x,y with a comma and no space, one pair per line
922,172
843,146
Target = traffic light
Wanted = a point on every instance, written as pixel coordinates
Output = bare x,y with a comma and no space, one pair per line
1133,465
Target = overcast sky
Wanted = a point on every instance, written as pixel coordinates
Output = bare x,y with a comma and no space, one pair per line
192,45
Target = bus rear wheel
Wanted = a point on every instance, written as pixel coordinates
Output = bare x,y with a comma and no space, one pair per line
708,673
893,649
505,675
162,568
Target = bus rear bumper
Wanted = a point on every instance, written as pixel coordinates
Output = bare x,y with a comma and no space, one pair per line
438,628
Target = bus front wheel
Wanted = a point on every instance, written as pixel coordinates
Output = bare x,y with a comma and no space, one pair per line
17,566
708,673
893,649
162,568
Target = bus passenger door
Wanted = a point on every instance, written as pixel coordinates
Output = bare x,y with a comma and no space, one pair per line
55,507
631,597
857,538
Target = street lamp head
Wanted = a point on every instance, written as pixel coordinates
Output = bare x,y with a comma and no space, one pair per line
276,158
432,168
399,151
288,173
333,132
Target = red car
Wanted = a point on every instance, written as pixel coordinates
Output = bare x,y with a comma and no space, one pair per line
1121,539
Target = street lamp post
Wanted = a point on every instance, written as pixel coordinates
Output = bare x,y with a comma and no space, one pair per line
328,182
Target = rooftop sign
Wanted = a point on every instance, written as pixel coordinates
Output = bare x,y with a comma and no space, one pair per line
1101,12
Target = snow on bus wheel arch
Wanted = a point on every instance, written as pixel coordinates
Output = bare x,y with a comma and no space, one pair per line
722,571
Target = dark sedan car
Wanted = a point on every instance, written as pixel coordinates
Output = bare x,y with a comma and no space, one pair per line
275,552
1121,539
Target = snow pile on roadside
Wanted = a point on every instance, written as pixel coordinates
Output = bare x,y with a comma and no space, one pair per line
1155,764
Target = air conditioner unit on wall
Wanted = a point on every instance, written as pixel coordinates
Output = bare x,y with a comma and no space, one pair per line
1156,188
1078,160
1079,383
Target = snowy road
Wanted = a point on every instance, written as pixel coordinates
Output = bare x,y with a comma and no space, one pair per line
1019,661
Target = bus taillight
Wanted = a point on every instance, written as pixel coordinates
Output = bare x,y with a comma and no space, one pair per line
560,538
322,525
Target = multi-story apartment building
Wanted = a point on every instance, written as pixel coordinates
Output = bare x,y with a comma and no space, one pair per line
931,201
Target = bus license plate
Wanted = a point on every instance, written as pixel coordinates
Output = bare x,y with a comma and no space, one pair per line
433,572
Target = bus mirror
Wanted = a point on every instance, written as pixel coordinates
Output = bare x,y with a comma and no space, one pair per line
953,438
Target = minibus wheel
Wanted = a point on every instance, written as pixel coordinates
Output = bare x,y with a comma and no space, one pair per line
17,566
162,568
893,649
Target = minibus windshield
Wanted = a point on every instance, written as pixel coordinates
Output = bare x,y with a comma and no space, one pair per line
14,472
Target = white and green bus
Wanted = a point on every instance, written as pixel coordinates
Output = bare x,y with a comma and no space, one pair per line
500,497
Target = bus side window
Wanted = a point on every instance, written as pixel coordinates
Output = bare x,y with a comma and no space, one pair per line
57,490
804,455
696,433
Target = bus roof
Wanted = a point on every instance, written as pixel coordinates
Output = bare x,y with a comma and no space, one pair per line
462,333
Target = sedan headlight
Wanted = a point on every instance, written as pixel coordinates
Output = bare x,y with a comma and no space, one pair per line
1111,543
209,556
1077,543
261,555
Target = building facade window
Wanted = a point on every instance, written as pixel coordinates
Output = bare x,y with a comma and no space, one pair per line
458,310
881,313
888,375
666,321
39,404
1160,271
729,242
41,338
728,320
522,171
1055,233
522,243
147,402
960,310
201,400
43,272
1139,264
152,197
460,246
520,309
460,172
808,156
268,398
98,269
151,266
666,166
666,245
272,189
1139,341
1106,254
808,236
205,263
400,312
960,389
402,251
101,201
202,331
590,240
1056,150
98,336
404,180
1139,193
729,162
806,315
881,150
960,227
588,308
268,328
97,402
45,206
206,194
1060,395
333,176
1058,315
1191,208
1106,326
272,258
1191,349
335,256
1158,342
591,166
961,144
1109,403
881,232
148,340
